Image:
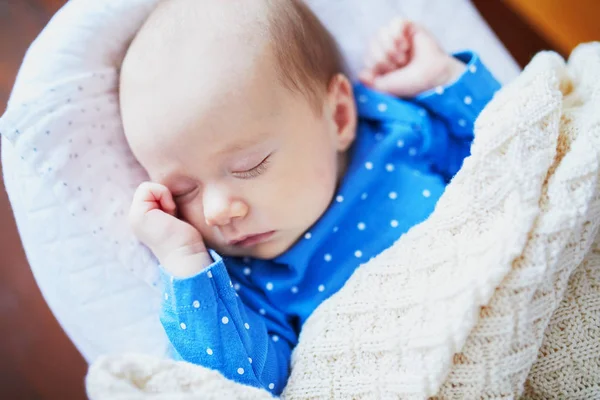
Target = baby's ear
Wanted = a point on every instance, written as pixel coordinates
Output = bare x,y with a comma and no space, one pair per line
340,97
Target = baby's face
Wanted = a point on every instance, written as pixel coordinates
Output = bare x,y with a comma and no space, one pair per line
250,164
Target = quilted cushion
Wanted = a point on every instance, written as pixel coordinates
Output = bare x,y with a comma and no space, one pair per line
70,175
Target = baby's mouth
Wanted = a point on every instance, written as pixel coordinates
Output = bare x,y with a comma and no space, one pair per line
251,240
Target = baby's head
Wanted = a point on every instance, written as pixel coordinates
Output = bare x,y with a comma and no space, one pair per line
241,109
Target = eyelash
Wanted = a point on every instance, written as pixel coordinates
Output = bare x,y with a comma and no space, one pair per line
254,172
178,198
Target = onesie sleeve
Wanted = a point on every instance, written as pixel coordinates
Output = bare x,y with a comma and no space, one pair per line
208,324
453,110
459,103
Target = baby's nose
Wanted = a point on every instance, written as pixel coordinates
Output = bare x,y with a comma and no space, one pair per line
219,211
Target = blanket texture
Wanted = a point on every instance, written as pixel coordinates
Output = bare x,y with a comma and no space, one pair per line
495,296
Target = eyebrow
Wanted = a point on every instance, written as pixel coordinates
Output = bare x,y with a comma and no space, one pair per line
242,144
167,179
238,145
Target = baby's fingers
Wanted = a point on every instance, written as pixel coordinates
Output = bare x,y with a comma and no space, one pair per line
401,32
151,195
382,62
388,37
391,48
150,198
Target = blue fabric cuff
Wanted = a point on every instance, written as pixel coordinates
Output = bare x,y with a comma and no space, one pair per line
197,292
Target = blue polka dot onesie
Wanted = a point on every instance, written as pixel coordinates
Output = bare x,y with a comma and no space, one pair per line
242,316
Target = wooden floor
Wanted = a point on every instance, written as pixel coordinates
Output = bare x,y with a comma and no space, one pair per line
37,361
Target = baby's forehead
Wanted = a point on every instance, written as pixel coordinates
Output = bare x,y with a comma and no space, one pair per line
183,27
222,129
214,102
187,41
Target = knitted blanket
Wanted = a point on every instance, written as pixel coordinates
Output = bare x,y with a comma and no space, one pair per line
496,295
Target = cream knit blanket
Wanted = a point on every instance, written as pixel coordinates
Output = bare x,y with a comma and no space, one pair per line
496,295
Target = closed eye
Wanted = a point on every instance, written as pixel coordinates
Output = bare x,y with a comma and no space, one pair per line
254,171
184,196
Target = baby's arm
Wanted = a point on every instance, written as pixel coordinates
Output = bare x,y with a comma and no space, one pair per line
204,318
208,324
454,109
407,61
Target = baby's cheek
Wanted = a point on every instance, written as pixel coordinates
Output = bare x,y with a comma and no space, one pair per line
321,184
325,179
192,214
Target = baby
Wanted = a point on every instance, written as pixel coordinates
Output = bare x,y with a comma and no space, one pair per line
260,149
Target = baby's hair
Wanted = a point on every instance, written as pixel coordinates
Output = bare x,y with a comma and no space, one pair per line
307,55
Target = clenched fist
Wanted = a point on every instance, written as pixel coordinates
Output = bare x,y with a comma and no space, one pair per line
405,60
177,245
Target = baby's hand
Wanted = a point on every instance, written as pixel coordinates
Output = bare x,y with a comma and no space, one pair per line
177,245
405,60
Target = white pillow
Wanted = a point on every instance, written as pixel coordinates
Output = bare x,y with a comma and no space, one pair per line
70,175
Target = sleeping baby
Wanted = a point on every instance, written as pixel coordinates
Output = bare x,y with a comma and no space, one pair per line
272,176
